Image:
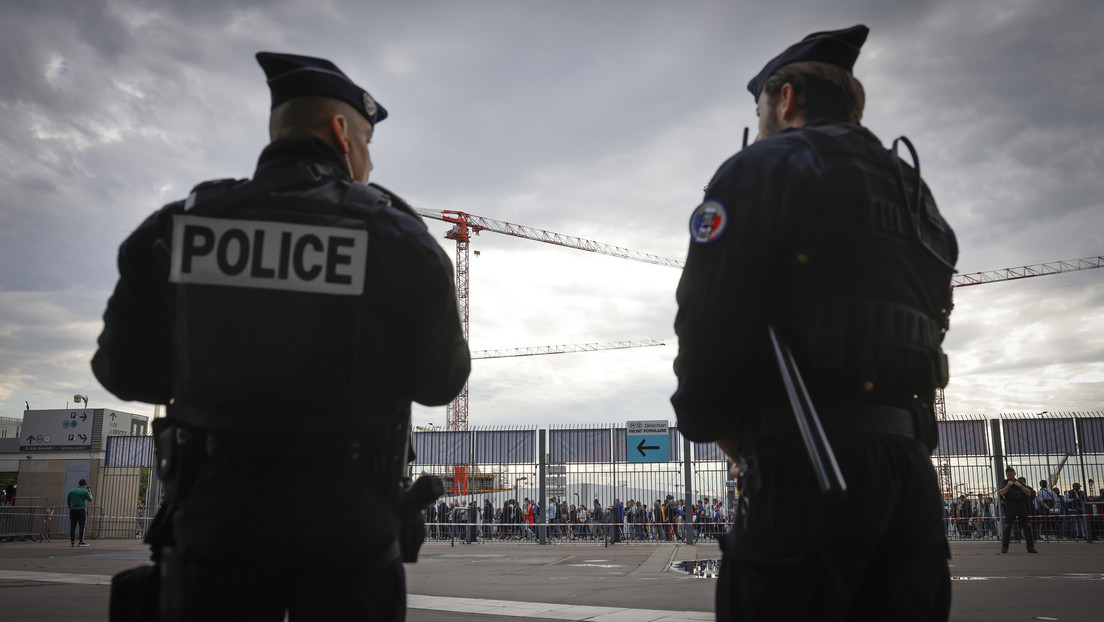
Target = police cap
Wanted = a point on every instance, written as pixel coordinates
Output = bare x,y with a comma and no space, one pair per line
291,76
835,47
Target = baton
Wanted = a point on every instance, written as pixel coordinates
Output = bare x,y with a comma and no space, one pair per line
825,468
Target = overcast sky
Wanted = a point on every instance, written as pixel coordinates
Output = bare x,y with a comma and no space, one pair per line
601,120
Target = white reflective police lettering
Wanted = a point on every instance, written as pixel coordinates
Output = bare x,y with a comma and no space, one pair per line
268,255
197,241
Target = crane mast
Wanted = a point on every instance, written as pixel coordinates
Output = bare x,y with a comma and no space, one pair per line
465,225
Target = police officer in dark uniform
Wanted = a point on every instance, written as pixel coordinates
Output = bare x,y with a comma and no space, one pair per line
288,321
1017,507
821,232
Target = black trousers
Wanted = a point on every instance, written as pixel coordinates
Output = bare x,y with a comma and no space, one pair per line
877,553
244,551
1017,512
76,517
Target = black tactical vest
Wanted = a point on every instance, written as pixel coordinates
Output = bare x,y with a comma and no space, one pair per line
273,315
867,283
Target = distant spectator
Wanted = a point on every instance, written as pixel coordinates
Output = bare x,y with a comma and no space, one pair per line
1046,507
77,501
962,516
1075,508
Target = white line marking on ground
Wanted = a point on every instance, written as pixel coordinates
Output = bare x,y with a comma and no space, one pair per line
519,609
55,577
487,607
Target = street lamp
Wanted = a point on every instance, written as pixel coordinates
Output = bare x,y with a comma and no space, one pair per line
516,480
80,398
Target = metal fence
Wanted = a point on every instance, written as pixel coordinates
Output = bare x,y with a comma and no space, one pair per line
579,465
589,465
124,503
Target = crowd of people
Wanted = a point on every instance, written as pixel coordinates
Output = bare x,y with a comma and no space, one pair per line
660,520
1055,515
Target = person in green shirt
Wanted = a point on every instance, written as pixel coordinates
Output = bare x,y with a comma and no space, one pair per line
77,500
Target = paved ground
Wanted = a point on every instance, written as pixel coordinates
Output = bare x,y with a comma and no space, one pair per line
51,581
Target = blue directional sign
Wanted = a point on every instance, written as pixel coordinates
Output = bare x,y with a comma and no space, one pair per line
647,441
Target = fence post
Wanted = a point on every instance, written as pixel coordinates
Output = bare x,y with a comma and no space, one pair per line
998,470
542,525
687,522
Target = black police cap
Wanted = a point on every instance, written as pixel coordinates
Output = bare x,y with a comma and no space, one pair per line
291,76
835,47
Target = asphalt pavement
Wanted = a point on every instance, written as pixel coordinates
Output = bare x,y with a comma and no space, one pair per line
573,581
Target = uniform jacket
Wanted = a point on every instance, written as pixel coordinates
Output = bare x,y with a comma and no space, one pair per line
261,352
775,213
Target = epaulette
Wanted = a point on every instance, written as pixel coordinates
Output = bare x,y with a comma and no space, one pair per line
396,201
209,189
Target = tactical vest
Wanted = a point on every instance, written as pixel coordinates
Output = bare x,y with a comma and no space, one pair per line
867,283
272,319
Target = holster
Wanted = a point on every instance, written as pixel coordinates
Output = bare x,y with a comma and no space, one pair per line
412,499
136,592
179,450
134,595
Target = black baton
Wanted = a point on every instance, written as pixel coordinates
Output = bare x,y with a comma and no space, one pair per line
825,467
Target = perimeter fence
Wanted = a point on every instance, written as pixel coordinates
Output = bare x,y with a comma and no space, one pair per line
592,472
490,471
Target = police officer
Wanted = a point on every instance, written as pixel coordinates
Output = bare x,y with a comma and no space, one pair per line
1017,502
821,232
288,321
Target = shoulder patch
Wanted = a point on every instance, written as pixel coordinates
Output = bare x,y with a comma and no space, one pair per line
708,221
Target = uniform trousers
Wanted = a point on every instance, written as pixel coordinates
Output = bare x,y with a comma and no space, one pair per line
261,534
877,553
1016,512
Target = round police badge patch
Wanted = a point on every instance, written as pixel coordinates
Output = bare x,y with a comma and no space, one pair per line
369,105
707,223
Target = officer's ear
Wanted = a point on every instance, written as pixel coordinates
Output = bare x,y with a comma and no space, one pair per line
788,104
340,127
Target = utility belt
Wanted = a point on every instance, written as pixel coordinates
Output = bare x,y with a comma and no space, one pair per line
378,453
182,448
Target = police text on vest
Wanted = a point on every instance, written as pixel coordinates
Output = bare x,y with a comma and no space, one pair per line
268,255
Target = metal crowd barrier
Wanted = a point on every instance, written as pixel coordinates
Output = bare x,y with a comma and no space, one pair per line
1086,527
608,533
23,522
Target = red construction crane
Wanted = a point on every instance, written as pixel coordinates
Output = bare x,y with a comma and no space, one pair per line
464,226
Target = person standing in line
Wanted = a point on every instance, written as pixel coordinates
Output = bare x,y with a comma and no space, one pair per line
963,512
302,294
1046,506
1075,507
1017,500
821,234
78,500
488,518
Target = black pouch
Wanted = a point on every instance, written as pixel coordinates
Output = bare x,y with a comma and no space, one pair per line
179,451
134,595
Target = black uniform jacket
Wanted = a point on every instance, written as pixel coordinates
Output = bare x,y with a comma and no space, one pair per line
763,208
400,339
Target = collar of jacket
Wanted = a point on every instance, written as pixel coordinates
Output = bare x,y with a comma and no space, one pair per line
309,150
